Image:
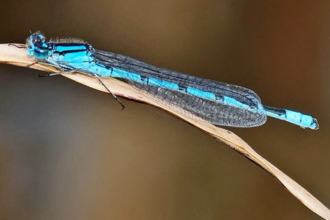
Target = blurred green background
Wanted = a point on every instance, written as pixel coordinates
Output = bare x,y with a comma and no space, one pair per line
69,152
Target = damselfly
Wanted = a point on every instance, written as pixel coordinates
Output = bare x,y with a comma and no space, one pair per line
216,102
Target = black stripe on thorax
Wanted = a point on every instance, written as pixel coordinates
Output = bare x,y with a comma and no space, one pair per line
53,47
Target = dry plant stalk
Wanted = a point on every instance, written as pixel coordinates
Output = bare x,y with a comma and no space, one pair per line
15,56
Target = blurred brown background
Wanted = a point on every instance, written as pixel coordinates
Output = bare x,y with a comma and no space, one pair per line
69,152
